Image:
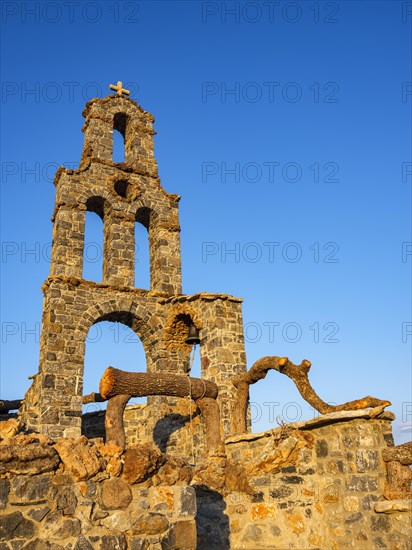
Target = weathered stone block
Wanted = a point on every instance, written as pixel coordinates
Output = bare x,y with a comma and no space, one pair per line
322,448
354,518
117,521
187,502
294,480
149,524
252,533
362,483
31,488
381,523
41,544
112,542
30,459
263,511
184,534
366,460
56,526
115,494
16,526
83,543
282,492
4,492
38,514
140,462
67,501
139,543
392,506
79,459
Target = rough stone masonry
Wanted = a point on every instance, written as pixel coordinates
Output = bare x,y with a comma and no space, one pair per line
123,194
336,481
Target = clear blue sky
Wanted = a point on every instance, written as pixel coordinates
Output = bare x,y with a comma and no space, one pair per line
286,128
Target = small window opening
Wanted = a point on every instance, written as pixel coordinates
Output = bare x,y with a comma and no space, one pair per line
119,133
121,188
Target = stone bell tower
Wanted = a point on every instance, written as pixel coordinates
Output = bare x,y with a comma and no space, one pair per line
123,194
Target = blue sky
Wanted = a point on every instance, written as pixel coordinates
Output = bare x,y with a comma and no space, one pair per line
286,128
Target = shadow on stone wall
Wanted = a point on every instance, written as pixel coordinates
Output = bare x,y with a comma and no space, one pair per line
212,523
167,425
93,424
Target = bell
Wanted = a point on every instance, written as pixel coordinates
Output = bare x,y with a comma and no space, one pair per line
193,336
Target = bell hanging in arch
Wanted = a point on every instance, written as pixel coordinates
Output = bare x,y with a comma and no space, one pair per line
193,337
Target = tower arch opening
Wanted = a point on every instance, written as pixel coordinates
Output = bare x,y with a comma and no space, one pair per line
143,259
94,239
119,135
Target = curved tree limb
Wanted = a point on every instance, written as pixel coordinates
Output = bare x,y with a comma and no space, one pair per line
114,425
93,397
299,375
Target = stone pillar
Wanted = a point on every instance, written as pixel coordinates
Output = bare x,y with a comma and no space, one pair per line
98,136
68,242
56,409
222,351
119,248
165,263
139,146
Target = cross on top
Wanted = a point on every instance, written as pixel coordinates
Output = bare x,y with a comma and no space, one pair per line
119,89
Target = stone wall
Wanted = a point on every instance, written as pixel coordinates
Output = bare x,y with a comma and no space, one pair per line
178,436
53,511
320,484
315,485
53,404
78,495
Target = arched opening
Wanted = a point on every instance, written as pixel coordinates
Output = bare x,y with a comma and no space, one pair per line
111,341
93,240
142,250
176,334
119,133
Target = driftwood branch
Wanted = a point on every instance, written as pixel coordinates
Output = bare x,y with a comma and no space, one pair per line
119,386
114,420
93,397
299,375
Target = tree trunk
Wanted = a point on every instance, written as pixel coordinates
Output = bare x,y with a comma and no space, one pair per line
114,420
119,386
141,384
209,409
299,375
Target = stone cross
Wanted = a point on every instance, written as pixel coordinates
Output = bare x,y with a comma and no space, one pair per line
119,89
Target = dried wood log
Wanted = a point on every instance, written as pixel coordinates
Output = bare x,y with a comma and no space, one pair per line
209,409
141,384
114,420
12,405
299,375
119,386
